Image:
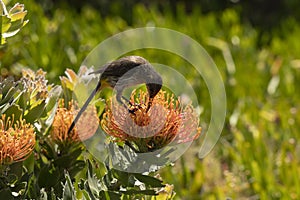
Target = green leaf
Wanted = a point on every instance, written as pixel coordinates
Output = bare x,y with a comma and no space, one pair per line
23,99
76,167
14,110
26,176
25,179
92,181
8,97
123,177
11,179
68,189
67,159
48,177
10,33
16,168
48,150
6,194
11,22
109,195
18,16
6,23
2,40
92,193
15,26
35,112
19,188
86,195
53,195
54,94
8,92
16,9
139,192
44,195
149,180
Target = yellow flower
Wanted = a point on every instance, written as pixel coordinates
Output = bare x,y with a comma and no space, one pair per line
166,121
17,140
84,129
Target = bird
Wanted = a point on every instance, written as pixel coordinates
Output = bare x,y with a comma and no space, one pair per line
122,73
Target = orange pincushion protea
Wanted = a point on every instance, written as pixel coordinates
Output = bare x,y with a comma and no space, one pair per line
84,129
17,140
165,122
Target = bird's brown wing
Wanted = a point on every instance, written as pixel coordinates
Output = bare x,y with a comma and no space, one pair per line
121,66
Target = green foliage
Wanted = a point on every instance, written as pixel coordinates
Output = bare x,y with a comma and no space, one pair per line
114,185
14,184
119,185
27,97
68,190
11,21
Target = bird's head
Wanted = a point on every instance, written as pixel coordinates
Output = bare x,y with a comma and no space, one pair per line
154,88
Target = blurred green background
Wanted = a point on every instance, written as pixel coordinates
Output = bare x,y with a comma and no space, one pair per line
256,47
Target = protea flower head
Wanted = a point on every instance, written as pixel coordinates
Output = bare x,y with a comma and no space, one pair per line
17,139
84,129
165,122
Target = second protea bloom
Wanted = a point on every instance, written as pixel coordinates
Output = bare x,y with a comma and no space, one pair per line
167,121
84,129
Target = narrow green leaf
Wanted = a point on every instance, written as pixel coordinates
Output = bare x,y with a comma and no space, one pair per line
48,149
140,192
53,195
14,110
15,26
6,23
90,192
54,94
109,195
23,99
8,96
123,177
149,180
68,190
92,181
44,195
35,112
86,195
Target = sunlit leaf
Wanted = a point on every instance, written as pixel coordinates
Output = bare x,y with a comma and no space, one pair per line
6,23
18,16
